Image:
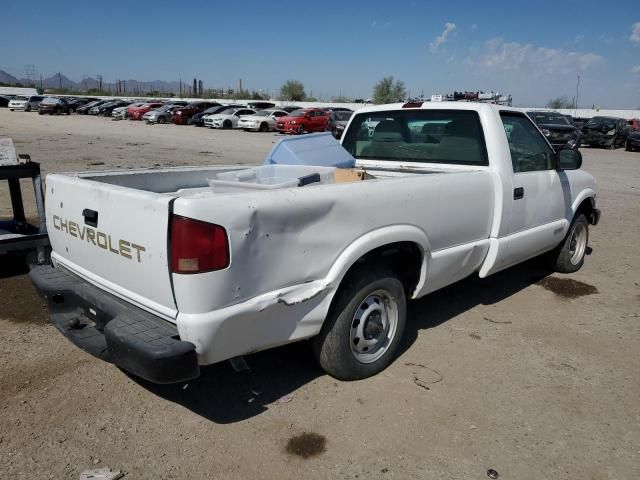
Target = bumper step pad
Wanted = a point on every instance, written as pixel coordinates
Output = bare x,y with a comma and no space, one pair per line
115,330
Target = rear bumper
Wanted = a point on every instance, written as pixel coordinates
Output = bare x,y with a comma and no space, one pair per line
114,330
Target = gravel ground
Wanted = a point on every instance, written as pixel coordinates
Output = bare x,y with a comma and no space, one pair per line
534,376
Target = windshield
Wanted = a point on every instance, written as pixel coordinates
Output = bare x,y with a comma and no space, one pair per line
342,116
228,111
193,105
298,113
549,118
21,99
51,101
601,123
263,113
426,136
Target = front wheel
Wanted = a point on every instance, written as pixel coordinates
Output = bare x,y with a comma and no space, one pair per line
363,330
300,130
27,108
161,119
568,257
264,127
613,143
227,124
627,146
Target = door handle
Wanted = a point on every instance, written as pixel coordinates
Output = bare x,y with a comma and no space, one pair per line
518,193
90,217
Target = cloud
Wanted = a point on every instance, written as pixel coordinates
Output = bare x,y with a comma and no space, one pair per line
635,69
635,33
529,58
579,38
442,38
474,26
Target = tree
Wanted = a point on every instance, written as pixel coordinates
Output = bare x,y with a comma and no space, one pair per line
342,99
560,102
292,90
388,91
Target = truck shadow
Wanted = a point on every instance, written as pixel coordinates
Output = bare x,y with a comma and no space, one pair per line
224,396
12,265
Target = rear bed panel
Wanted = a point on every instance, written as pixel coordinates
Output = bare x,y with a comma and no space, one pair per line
126,252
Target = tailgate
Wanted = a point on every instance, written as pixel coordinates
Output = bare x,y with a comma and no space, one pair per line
114,237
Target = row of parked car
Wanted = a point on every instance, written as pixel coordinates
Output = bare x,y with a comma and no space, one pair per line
609,132
561,130
256,116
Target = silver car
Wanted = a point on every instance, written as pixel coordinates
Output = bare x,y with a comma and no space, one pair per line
160,115
25,103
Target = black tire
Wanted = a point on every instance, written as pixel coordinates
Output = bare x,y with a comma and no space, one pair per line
264,127
227,124
333,346
627,146
161,119
613,143
40,112
300,130
27,108
568,257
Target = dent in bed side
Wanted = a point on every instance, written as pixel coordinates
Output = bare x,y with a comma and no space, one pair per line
298,311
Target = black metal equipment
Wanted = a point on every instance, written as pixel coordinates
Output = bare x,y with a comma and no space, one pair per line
17,234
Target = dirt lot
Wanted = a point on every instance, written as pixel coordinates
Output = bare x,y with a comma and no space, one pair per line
534,376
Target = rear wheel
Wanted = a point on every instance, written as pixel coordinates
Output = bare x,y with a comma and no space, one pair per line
568,257
364,328
264,127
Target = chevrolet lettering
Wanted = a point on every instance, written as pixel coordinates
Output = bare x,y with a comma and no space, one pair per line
121,247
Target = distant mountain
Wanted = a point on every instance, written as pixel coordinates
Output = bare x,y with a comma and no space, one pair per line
130,86
59,81
7,77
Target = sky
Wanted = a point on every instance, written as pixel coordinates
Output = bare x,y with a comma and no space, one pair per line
532,50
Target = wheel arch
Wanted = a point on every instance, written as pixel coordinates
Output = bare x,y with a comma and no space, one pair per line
397,246
585,203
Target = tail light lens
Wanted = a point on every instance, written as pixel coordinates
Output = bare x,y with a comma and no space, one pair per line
197,246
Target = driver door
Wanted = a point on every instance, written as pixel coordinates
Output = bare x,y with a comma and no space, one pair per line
541,194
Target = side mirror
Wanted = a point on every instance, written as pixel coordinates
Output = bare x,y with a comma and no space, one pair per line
568,159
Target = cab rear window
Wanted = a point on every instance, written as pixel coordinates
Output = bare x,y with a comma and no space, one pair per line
427,136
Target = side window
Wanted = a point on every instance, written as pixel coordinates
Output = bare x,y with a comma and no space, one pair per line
529,150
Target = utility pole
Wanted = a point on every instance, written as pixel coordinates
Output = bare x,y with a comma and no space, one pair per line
60,80
577,94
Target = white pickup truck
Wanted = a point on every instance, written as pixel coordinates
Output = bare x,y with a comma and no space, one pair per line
158,273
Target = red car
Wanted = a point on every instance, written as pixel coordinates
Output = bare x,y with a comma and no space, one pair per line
136,113
182,116
303,120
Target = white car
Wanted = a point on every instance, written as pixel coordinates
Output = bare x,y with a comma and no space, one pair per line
227,118
264,120
25,103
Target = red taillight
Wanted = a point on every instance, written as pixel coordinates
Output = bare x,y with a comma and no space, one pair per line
197,246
